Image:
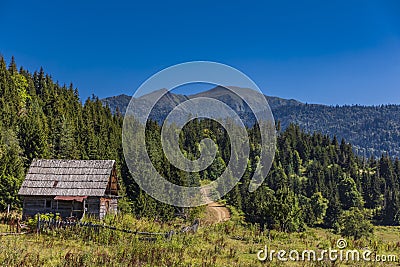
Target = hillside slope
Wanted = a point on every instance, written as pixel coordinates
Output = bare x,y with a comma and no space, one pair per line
373,130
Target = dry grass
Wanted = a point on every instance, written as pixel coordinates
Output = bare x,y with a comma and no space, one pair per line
224,244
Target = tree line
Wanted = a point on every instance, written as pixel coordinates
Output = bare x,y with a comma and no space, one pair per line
315,180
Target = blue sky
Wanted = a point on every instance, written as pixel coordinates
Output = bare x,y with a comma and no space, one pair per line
330,52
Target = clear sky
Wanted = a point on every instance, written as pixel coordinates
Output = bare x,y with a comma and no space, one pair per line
330,52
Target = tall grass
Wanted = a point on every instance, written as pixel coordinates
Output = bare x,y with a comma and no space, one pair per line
227,244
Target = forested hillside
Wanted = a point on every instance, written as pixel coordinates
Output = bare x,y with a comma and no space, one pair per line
42,119
314,180
373,130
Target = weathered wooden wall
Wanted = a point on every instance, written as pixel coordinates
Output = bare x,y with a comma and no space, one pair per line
94,206
33,205
108,206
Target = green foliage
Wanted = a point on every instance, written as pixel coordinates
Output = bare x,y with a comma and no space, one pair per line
319,205
355,223
32,223
349,195
11,168
312,181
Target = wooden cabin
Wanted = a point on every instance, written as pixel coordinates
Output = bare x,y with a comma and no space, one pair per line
71,188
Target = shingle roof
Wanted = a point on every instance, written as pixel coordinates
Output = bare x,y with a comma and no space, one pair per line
53,177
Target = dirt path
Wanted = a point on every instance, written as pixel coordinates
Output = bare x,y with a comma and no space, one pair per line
217,213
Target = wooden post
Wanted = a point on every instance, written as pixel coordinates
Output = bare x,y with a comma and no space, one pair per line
18,226
38,224
84,208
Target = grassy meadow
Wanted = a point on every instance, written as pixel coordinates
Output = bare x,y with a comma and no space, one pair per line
231,243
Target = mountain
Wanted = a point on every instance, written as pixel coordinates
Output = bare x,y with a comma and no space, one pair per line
372,130
231,99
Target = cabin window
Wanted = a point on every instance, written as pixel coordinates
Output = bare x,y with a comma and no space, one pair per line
48,203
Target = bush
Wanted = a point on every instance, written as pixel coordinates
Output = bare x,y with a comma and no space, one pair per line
355,223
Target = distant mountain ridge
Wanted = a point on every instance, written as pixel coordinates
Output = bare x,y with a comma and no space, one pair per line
373,130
